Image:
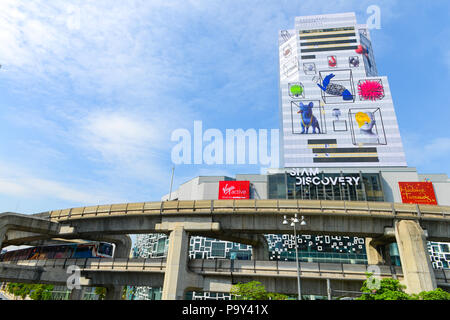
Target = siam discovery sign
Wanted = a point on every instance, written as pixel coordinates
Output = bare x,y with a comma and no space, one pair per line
234,190
417,192
306,177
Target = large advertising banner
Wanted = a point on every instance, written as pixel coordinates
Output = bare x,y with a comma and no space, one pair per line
335,110
417,192
229,190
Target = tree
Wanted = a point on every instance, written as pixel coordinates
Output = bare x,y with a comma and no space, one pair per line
34,291
41,292
254,290
101,292
391,289
436,294
19,289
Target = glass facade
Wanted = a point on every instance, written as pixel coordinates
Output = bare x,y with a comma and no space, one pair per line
283,186
208,248
326,249
394,254
439,254
63,293
144,293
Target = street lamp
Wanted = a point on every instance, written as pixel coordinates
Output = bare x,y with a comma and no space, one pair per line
294,221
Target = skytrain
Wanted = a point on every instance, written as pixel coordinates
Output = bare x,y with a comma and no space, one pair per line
61,251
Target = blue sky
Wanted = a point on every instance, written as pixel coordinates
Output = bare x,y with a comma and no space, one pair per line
90,91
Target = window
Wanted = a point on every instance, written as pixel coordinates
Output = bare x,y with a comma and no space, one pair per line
372,186
105,248
161,245
277,186
218,250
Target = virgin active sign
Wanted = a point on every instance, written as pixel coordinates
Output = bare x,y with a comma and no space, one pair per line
306,177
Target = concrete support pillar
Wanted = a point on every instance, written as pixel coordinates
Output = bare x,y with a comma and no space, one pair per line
76,294
260,251
373,255
114,293
123,246
177,278
2,236
387,254
329,292
416,264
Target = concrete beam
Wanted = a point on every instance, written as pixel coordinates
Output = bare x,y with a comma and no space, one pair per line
244,238
264,223
367,223
15,237
348,218
18,238
117,278
416,264
28,224
191,224
25,274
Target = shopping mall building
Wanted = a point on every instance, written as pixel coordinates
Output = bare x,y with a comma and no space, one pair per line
339,140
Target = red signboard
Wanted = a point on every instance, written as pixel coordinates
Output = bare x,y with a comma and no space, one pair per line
417,192
234,190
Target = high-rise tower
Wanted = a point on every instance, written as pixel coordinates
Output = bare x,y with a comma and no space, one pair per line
335,110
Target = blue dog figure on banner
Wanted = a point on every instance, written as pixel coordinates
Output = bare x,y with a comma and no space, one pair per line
308,119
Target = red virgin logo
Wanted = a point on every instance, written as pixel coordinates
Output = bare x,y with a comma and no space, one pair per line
234,190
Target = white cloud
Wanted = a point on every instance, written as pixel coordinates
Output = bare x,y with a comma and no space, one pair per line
133,146
439,146
106,46
109,51
428,154
119,135
19,182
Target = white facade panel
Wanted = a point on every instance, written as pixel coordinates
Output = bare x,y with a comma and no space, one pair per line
442,191
390,180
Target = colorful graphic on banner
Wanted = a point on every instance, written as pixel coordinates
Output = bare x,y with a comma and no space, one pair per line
234,190
417,192
337,84
371,90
